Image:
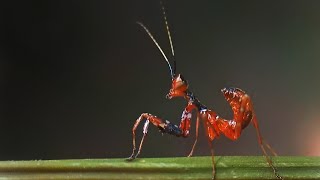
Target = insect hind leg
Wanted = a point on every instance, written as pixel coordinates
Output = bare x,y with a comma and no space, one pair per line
262,143
270,148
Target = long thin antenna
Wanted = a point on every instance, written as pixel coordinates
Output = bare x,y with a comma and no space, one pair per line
169,36
167,26
156,43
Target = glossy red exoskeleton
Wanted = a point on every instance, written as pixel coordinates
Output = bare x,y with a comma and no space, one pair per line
240,102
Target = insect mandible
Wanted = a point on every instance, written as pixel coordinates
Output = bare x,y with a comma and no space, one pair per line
240,102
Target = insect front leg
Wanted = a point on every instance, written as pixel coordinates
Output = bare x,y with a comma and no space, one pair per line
185,124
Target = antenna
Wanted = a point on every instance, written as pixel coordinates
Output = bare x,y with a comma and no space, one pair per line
167,26
169,35
156,43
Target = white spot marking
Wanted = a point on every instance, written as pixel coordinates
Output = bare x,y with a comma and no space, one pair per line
145,127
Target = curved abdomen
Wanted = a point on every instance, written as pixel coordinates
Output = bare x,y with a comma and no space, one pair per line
243,113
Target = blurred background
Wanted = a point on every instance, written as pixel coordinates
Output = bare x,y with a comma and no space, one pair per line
75,75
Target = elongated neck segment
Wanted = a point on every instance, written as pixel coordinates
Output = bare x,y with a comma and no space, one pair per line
195,101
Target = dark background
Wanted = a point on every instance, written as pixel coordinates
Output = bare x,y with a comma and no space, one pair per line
75,75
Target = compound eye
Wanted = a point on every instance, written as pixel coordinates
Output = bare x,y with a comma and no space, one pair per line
179,78
179,81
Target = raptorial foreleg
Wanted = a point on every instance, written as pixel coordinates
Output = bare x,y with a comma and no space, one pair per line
185,124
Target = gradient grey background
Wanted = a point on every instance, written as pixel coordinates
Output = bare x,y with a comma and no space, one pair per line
75,75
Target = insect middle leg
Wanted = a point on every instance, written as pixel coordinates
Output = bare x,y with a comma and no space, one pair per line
164,127
209,122
197,134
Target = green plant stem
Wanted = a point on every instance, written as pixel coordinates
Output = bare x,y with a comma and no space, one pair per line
227,167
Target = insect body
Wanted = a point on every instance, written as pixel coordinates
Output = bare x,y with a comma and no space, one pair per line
240,102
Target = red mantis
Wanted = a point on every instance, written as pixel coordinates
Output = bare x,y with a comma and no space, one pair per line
240,102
